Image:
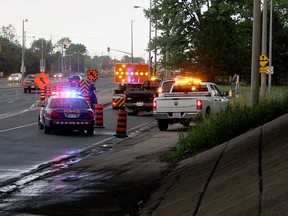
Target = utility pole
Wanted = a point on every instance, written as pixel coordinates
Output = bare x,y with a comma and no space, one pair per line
270,44
23,68
132,60
255,53
264,49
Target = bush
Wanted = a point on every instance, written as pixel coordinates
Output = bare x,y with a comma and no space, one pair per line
237,119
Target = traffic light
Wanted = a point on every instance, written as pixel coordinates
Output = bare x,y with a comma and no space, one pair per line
108,49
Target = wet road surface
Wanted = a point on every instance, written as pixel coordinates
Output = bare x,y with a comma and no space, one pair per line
114,178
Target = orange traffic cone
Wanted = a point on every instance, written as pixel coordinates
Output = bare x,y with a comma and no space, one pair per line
121,124
98,116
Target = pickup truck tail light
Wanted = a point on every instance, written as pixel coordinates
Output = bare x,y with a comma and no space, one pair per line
154,105
199,105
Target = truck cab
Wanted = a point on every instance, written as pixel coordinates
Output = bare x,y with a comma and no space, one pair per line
142,99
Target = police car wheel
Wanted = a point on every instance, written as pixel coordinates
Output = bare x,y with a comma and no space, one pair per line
47,129
40,125
90,131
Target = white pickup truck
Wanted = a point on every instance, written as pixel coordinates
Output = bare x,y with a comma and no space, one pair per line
186,102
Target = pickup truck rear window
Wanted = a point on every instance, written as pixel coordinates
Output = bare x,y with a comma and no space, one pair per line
190,88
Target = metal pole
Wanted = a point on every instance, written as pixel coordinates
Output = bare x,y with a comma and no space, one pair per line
255,53
62,59
155,53
78,62
149,44
264,49
22,69
270,44
132,41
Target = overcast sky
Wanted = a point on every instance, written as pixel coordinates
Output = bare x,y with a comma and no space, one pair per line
97,24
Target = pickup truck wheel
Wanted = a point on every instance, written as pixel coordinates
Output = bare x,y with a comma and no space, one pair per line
29,91
162,125
208,112
186,123
135,112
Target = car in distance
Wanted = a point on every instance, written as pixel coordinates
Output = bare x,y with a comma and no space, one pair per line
66,111
58,76
15,78
29,84
74,81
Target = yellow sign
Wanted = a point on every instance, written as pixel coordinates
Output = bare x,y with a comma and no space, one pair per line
263,69
263,60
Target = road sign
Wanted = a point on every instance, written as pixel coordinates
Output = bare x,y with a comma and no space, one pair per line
92,74
263,69
263,60
270,69
42,80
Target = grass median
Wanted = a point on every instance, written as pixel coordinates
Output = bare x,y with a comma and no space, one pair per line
239,118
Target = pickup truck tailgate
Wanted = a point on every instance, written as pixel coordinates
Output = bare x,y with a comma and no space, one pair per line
179,104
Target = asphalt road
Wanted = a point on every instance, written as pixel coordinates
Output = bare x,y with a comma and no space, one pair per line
24,148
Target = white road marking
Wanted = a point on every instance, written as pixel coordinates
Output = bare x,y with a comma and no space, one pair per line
15,128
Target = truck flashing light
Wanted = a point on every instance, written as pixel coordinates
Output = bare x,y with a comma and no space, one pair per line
131,73
186,81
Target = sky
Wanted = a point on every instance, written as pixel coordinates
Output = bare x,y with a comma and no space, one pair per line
97,24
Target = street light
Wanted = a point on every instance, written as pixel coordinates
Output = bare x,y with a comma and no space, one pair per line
132,41
149,43
23,69
78,58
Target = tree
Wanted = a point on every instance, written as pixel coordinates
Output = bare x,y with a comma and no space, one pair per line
211,38
9,33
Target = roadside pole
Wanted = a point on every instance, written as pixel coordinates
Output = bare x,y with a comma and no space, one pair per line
255,53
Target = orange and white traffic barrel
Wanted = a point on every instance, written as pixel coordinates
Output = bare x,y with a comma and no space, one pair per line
42,94
121,124
99,121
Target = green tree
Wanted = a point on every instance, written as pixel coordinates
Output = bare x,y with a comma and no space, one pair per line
212,38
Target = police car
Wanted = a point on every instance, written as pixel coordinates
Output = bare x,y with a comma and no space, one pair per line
67,111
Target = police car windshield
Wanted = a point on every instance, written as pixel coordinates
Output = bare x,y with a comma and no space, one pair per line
69,103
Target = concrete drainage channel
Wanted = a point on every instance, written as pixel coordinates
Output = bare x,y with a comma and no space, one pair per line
99,148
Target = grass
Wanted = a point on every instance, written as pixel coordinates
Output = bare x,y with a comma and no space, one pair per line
237,119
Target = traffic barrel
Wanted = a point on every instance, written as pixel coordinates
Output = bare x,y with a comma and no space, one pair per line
121,124
54,88
48,91
42,94
99,116
60,87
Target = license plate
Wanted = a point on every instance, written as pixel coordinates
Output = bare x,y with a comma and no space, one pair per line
139,104
71,116
32,86
177,115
